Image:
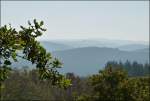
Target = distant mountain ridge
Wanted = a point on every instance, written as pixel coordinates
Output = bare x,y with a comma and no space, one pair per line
132,47
87,58
53,46
70,44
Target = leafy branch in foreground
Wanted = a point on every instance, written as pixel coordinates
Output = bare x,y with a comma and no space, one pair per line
23,44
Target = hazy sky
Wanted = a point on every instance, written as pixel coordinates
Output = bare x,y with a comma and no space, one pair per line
123,20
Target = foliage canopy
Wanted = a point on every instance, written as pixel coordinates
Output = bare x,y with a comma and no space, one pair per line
113,84
23,44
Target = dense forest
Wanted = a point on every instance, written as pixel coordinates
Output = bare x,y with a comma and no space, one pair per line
114,83
133,68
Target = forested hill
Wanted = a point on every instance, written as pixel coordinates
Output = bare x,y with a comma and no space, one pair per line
88,60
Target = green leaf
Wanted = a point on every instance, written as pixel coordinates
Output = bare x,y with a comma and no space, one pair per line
7,62
14,55
29,22
41,23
